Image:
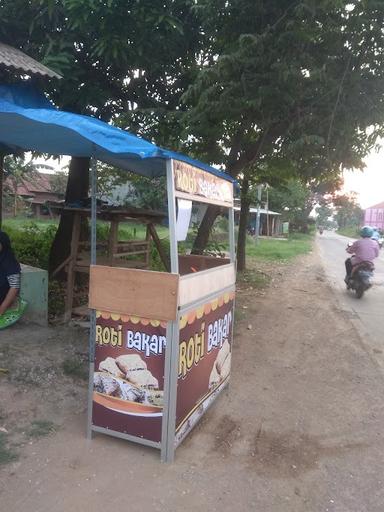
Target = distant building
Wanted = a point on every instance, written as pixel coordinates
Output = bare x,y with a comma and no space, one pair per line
270,223
374,216
35,192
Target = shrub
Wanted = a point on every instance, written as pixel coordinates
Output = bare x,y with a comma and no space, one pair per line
32,243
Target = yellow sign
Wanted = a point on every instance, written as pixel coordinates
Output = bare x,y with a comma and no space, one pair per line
199,184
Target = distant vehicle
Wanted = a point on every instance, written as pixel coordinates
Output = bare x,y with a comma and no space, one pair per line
378,237
361,277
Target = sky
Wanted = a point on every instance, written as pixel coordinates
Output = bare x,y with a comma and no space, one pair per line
369,184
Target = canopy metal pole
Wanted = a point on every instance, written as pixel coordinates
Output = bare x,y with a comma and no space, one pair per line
93,209
92,330
172,348
172,218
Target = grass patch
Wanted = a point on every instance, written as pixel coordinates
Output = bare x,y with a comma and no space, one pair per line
6,453
75,368
42,428
351,232
280,250
21,222
240,315
253,278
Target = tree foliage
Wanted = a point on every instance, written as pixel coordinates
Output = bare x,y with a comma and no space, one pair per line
266,90
299,82
132,57
17,170
324,212
348,212
293,200
122,60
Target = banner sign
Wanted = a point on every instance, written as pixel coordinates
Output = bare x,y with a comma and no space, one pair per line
201,185
205,349
128,380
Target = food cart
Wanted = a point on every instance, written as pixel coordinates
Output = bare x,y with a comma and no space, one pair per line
160,342
164,339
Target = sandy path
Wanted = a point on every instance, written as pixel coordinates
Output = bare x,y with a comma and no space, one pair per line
299,429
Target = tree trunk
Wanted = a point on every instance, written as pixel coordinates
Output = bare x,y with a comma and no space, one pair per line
1,187
243,223
77,190
205,229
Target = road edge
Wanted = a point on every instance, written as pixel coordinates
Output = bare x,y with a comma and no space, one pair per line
370,346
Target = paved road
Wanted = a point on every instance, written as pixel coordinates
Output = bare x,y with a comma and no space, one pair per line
368,311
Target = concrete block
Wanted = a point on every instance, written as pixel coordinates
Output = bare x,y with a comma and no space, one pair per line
34,289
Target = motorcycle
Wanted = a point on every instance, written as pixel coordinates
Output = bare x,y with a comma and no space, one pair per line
360,279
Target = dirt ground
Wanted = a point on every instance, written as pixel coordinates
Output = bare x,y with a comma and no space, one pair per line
298,430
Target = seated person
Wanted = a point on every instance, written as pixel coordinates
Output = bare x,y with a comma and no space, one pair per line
365,249
9,275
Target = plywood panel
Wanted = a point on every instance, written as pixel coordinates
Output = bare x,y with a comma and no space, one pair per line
140,293
195,286
191,263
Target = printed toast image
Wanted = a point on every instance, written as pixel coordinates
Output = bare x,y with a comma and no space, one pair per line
222,366
126,385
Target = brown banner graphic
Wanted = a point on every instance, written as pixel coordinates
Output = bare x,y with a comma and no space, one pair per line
198,183
129,375
205,349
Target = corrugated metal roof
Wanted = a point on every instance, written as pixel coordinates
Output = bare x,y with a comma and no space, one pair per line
378,206
14,58
262,211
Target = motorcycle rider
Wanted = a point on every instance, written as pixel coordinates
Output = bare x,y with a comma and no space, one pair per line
364,249
375,235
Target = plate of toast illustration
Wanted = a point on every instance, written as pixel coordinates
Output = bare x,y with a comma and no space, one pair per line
124,384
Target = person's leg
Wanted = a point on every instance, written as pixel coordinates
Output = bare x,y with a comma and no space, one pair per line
348,267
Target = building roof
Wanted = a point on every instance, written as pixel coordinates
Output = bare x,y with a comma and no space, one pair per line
37,185
376,206
262,211
13,58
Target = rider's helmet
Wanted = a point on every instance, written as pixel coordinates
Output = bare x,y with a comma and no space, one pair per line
366,232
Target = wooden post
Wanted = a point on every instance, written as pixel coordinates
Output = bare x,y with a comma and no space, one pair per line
148,253
71,267
113,240
159,247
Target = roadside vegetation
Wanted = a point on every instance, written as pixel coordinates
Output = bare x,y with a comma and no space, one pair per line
7,454
349,231
42,428
283,249
31,241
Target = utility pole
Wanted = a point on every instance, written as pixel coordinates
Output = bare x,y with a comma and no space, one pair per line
257,227
267,212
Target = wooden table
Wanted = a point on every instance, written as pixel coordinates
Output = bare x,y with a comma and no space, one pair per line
115,251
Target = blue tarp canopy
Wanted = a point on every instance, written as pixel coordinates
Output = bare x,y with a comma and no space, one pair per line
29,122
